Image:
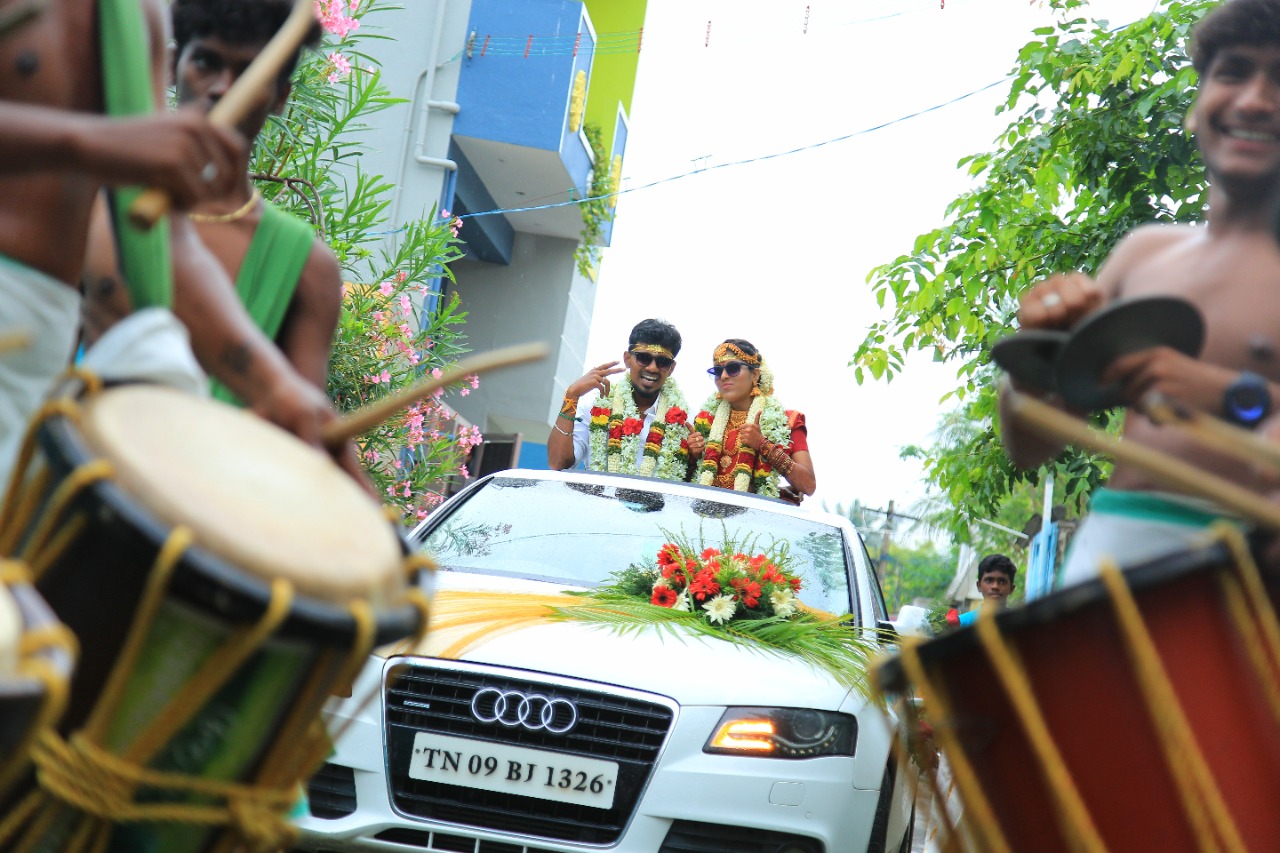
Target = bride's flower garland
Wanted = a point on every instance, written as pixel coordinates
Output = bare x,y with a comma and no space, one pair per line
748,470
616,425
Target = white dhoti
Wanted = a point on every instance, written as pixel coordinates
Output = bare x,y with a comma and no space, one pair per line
48,311
150,345
1133,527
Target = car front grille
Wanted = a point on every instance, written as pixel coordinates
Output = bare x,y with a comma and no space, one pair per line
610,727
331,793
687,836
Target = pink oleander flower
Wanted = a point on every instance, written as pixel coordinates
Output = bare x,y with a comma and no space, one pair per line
341,67
386,288
334,18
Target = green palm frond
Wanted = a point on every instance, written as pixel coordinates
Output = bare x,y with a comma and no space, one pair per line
828,644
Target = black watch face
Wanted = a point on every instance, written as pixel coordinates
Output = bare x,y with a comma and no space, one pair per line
1249,404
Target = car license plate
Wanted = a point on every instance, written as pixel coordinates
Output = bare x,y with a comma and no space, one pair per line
513,770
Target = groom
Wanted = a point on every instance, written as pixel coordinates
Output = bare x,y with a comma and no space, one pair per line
639,423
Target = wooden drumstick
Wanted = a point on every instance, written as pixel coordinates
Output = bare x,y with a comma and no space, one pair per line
369,416
148,208
1211,432
13,340
1048,421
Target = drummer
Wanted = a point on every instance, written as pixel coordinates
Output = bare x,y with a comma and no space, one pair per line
287,278
58,148
1228,267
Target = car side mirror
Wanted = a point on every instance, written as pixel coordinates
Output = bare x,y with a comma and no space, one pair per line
912,621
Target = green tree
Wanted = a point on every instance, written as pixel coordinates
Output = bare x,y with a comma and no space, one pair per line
396,324
1095,147
908,573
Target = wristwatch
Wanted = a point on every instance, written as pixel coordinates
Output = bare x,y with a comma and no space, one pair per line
1247,400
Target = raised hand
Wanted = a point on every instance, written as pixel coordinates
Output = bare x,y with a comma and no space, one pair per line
179,152
750,434
1059,302
596,379
696,443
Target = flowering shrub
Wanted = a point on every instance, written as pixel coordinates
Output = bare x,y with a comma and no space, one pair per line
396,324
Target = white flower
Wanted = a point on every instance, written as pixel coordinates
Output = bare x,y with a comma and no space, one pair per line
682,602
720,609
783,601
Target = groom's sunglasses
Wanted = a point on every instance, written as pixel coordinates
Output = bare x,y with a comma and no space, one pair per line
733,368
647,359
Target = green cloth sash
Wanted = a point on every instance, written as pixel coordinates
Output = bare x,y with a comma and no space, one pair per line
269,275
126,80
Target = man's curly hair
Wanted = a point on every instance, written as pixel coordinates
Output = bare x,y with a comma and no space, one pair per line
236,22
1252,23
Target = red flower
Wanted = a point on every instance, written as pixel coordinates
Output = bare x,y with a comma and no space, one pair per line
669,555
757,561
677,415
615,430
663,596
704,585
953,618
710,552
632,426
795,584
748,591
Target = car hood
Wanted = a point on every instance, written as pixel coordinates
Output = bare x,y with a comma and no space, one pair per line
693,670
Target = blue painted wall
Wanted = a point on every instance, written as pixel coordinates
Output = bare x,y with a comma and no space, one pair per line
515,99
532,455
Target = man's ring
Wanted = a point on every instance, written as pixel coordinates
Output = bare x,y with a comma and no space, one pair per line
1050,299
209,173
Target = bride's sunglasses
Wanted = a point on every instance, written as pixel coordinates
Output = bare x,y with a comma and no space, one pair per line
733,368
647,359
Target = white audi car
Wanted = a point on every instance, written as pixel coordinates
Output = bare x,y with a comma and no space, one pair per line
567,737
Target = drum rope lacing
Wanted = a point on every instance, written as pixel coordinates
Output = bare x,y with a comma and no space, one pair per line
979,810
78,772
1211,822
1077,826
1256,619
32,665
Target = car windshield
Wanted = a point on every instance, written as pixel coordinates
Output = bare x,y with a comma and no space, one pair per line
578,534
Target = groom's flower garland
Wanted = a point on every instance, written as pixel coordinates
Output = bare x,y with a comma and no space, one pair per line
616,425
748,470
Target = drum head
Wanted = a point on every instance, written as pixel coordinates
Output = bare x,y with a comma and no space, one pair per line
1029,357
1126,326
253,495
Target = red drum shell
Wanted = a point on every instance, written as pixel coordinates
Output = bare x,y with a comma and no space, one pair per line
1072,649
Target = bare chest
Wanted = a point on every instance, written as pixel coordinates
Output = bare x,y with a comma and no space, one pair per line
1236,288
51,56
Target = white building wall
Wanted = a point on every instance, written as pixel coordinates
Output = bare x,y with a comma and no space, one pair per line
418,65
540,296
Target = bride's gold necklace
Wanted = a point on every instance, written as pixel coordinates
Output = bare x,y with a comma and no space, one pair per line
239,213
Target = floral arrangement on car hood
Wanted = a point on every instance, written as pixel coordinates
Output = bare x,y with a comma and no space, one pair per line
735,592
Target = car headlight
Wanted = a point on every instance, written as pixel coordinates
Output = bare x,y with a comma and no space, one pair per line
783,733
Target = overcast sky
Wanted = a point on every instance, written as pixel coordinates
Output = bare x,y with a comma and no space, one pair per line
778,251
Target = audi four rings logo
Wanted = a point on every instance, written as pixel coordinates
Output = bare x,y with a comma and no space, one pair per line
531,710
